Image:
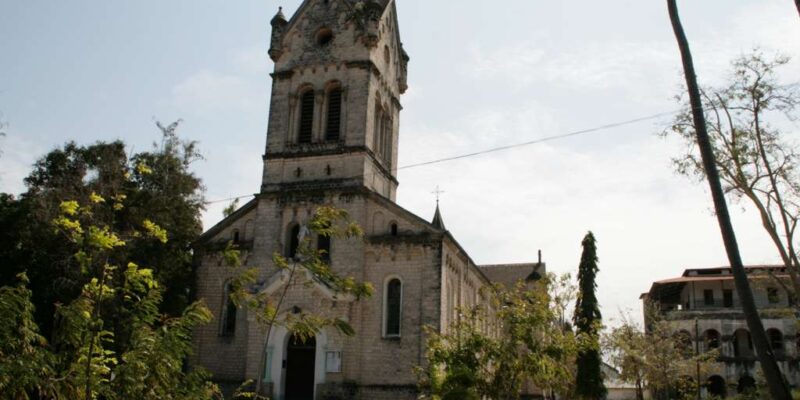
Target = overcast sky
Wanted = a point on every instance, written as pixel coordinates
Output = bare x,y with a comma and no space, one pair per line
482,74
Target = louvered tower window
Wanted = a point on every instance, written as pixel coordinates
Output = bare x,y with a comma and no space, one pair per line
333,129
386,148
306,117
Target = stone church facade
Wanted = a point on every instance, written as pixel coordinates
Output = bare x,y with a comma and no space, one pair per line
332,140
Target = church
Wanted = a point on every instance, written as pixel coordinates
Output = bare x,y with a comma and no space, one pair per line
332,139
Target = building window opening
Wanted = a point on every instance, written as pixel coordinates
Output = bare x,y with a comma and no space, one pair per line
228,314
324,37
293,241
775,338
716,386
324,248
742,344
393,229
333,128
708,297
712,339
394,299
306,117
727,298
773,296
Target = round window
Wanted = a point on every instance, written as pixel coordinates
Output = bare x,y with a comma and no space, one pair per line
324,36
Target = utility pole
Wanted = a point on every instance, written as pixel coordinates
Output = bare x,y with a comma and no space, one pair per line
775,382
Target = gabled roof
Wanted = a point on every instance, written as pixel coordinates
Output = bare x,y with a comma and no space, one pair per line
227,221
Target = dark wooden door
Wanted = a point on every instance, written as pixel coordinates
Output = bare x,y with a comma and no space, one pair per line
300,369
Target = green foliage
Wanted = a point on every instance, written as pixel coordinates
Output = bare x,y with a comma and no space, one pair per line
492,353
588,321
152,191
309,261
657,359
90,357
756,161
231,208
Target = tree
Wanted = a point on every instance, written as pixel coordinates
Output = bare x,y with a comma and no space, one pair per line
310,262
84,359
492,352
755,161
588,321
157,185
777,384
657,359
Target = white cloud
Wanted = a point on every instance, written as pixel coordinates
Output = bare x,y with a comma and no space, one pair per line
18,155
208,92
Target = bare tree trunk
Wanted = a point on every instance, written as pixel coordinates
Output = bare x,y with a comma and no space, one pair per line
777,386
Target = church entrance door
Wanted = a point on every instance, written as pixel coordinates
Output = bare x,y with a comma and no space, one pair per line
300,369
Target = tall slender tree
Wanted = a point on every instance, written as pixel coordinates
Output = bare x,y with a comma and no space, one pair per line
777,385
588,320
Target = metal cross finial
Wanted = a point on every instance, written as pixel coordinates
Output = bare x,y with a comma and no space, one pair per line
438,193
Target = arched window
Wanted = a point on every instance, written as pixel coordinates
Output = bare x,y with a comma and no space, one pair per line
293,241
682,340
393,228
377,135
386,141
742,344
228,327
334,124
393,305
236,236
711,339
746,385
716,386
324,245
305,129
775,338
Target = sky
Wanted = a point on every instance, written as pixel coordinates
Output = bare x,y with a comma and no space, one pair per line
482,74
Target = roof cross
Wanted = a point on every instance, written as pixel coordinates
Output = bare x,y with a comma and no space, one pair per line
438,192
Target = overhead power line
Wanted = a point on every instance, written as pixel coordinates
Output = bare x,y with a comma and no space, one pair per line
507,147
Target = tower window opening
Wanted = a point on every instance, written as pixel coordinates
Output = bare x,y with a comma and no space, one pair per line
393,229
333,128
324,37
294,242
306,117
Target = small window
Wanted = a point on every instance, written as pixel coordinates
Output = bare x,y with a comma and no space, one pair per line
708,297
236,237
324,37
775,338
293,242
773,296
228,314
386,55
394,299
333,128
727,298
324,248
712,339
306,117
393,229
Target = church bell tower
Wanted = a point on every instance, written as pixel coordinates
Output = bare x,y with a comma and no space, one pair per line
340,69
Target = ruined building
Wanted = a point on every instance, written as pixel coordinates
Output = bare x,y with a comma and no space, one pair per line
703,307
332,139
